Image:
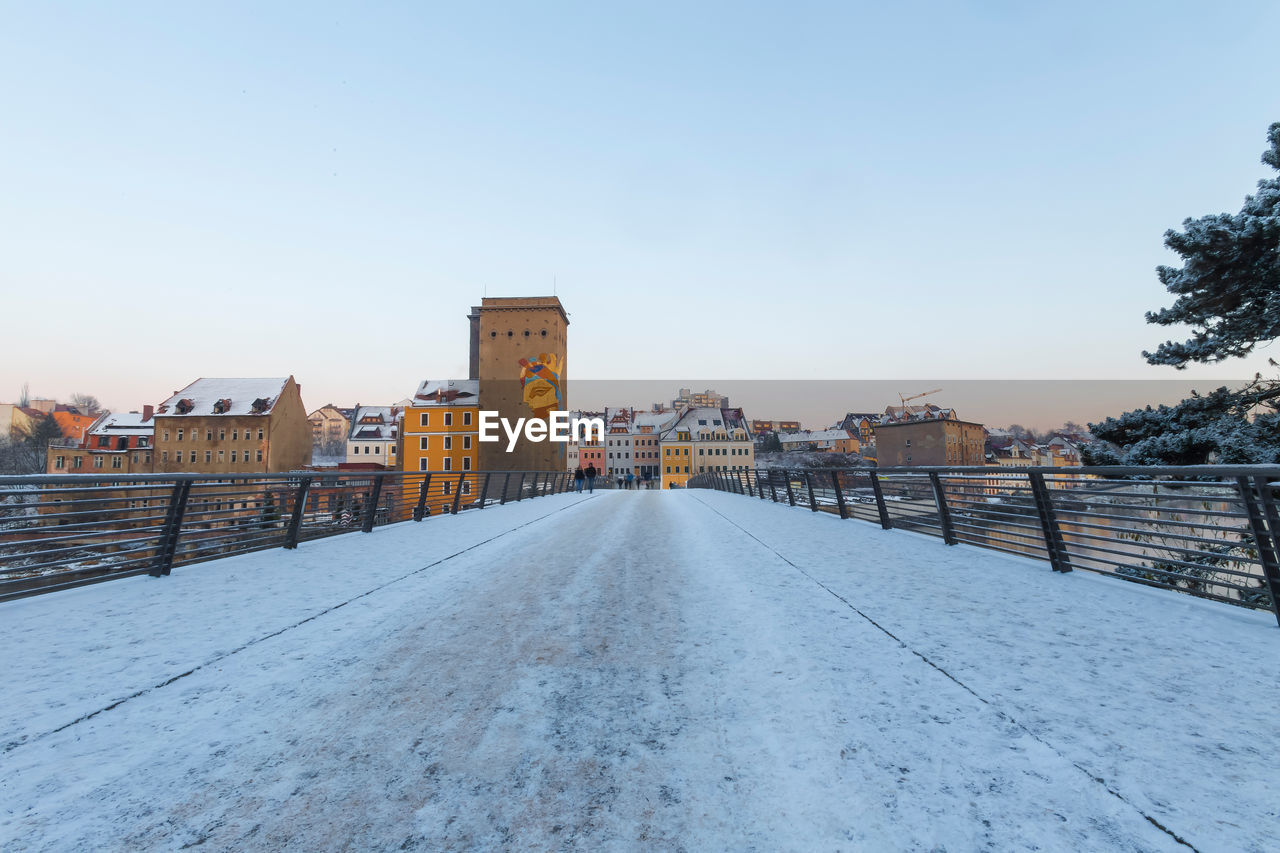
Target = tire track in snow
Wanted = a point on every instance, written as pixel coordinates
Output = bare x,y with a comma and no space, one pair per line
30,739
937,667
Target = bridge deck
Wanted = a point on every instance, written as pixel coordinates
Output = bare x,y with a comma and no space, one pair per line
640,669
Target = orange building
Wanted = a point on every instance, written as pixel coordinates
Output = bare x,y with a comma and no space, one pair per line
74,425
440,434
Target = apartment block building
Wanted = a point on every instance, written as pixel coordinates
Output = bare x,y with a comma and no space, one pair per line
329,423
940,440
233,426
116,443
374,436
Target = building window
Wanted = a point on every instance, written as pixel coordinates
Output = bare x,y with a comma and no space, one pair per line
208,456
260,433
115,461
466,463
233,455
422,464
179,435
448,464
59,462
422,442
466,419
166,435
75,463
97,462
448,442
466,487
448,418
424,419
259,455
208,435
447,490
466,442
377,449
221,455
177,457
222,435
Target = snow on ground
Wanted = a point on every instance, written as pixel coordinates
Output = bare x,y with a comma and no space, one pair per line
635,670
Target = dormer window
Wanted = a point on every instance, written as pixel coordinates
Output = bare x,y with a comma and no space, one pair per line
184,406
260,405
221,407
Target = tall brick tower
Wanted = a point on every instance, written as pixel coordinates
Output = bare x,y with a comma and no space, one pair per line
519,347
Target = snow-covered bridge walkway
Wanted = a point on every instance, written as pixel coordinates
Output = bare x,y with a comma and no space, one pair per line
635,670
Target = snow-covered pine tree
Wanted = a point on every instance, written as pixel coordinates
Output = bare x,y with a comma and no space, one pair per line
1228,290
1228,286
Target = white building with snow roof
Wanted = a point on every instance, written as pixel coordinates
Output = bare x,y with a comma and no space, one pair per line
374,435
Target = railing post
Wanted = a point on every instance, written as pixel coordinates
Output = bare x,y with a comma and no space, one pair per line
808,481
835,484
457,493
299,506
520,488
372,508
791,495
1267,541
484,489
944,512
773,486
420,509
881,506
759,485
506,483
1049,523
172,527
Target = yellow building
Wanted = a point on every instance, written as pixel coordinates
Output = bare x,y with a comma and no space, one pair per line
440,434
677,457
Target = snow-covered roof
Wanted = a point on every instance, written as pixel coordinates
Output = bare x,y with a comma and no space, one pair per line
447,392
729,420
374,423
123,423
232,397
654,420
814,436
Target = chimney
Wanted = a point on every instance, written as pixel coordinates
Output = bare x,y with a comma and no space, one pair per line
147,412
473,371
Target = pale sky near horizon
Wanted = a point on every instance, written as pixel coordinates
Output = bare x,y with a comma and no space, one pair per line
738,190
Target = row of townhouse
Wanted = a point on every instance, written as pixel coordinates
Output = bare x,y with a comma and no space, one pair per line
665,446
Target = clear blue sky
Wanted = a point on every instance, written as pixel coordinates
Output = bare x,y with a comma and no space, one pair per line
969,190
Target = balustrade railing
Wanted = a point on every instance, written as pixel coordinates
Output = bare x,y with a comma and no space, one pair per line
1208,531
64,531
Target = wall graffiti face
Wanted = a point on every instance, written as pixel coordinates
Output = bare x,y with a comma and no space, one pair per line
541,384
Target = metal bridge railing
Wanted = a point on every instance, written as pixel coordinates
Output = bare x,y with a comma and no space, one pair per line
1208,531
58,532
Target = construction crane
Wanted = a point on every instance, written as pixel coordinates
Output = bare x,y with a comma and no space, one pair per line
915,397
